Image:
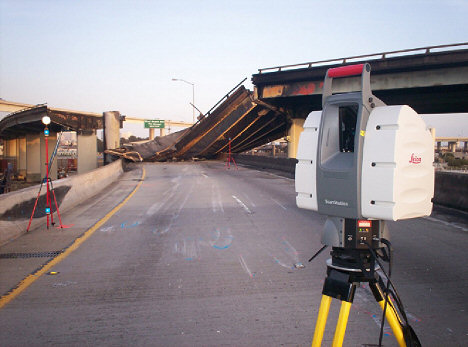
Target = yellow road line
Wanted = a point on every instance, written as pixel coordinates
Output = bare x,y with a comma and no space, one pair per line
30,279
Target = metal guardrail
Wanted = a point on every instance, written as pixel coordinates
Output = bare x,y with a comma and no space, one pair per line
204,116
225,96
384,55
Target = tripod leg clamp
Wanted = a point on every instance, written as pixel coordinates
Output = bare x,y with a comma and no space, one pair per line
338,285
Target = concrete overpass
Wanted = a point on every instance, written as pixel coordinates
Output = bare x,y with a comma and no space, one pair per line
452,143
162,131
429,79
13,106
24,144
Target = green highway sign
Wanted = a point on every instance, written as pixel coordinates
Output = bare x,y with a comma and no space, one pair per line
154,123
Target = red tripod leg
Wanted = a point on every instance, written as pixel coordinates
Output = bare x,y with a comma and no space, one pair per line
34,208
50,202
56,207
235,163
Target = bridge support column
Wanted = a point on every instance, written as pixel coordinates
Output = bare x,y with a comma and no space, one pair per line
151,133
439,145
33,158
87,152
465,147
111,132
293,136
162,132
10,149
452,146
22,158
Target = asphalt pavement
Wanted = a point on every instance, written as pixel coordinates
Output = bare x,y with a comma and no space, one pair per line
192,254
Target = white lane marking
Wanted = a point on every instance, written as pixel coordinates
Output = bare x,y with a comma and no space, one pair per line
216,202
244,266
204,175
167,196
244,206
250,200
279,204
454,225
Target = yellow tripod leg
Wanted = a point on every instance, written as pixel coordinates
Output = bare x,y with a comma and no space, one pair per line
341,324
394,322
321,320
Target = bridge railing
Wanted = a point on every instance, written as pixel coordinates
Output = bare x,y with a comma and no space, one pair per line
382,55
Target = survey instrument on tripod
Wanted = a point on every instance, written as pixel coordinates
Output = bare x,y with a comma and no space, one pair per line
360,163
50,193
230,158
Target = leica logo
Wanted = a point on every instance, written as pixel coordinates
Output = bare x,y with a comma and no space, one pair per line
415,159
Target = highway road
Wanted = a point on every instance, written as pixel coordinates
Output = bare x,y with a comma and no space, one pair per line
204,256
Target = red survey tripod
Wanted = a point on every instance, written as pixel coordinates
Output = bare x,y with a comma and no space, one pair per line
49,186
230,158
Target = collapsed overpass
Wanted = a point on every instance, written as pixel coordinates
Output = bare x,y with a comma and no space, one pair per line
237,119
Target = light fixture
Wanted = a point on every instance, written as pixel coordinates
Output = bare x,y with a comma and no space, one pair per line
46,120
193,96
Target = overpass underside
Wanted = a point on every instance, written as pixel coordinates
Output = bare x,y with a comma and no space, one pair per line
239,123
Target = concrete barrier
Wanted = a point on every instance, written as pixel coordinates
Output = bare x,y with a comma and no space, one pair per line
451,188
16,207
285,165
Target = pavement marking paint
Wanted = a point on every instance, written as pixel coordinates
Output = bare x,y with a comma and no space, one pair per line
245,267
279,204
454,225
244,206
31,278
125,225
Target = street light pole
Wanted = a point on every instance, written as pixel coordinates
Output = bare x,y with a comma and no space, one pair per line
193,95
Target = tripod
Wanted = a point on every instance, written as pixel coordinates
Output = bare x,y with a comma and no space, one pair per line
230,158
345,271
49,186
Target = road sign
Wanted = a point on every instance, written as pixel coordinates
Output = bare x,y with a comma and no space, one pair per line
154,123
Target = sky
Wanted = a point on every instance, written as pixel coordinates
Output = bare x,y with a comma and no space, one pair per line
122,55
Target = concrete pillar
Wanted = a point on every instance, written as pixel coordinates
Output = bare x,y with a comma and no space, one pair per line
87,152
452,146
151,133
11,148
52,140
111,131
439,145
10,152
22,163
162,132
293,136
465,147
433,134
33,157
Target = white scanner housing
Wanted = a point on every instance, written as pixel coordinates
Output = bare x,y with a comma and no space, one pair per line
397,167
396,175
